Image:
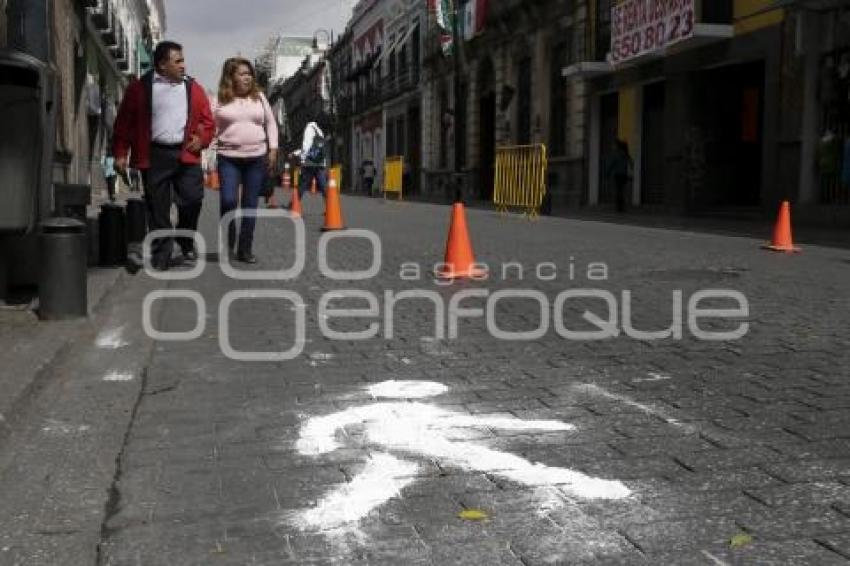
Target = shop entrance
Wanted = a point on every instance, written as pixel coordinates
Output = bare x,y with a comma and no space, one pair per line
733,107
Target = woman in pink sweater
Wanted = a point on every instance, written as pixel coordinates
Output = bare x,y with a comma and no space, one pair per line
246,144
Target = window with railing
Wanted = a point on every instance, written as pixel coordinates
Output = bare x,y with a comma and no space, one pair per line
415,55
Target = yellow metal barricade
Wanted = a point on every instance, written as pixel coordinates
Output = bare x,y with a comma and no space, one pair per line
520,180
335,173
393,176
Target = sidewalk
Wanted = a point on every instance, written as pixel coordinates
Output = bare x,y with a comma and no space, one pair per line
751,228
28,346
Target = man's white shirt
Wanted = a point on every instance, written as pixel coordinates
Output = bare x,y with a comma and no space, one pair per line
170,107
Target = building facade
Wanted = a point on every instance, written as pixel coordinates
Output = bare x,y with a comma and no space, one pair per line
509,92
728,120
96,46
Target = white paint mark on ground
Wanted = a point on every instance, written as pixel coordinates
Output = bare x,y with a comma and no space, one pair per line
652,377
593,389
714,559
426,432
321,357
111,339
119,376
382,479
58,427
406,361
407,389
434,347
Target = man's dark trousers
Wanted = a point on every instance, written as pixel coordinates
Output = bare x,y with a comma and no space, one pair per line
168,180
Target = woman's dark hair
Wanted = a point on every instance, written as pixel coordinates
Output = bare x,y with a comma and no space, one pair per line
163,51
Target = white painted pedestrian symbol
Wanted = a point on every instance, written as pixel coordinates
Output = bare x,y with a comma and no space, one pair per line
400,432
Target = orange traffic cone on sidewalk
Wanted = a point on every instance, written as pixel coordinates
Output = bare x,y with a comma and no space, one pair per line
313,187
295,204
460,261
333,210
782,241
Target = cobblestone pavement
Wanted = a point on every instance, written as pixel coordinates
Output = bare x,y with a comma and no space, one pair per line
716,441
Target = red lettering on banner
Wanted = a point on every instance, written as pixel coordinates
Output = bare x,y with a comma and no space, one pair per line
641,26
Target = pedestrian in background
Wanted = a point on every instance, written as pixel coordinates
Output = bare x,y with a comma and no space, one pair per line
619,169
367,172
162,126
246,147
107,163
313,160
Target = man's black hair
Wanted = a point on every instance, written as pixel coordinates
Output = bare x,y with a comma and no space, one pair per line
163,51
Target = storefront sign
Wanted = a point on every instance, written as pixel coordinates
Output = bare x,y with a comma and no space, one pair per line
643,26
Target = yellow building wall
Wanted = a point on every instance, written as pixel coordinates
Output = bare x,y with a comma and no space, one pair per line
627,116
752,15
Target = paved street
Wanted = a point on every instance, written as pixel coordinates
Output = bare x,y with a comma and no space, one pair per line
416,449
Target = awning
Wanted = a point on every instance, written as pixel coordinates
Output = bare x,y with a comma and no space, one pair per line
704,34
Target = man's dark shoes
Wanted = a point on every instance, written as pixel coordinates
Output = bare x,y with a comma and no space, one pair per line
246,257
190,255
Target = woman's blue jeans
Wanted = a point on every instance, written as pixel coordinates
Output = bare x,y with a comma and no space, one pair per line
250,173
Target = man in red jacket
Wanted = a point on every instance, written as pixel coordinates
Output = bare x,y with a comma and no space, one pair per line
162,125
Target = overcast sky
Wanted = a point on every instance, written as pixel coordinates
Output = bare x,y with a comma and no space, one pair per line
212,30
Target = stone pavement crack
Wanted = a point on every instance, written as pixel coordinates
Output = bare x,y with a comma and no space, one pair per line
113,503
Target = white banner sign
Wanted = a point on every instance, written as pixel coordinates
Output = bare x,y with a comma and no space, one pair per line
643,26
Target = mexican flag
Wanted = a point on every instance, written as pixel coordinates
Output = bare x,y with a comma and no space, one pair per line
474,16
444,12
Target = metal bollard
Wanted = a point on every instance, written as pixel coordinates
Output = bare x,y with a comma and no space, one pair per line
62,287
113,235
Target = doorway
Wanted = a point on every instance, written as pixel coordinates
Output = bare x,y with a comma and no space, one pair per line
486,130
608,123
734,104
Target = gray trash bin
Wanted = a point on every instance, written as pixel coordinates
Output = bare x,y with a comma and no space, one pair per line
62,287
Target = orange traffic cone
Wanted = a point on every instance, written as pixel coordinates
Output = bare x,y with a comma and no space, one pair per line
333,210
782,241
295,204
460,261
214,181
313,187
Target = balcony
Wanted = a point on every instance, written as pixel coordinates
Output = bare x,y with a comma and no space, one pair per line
112,36
367,100
345,106
101,14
